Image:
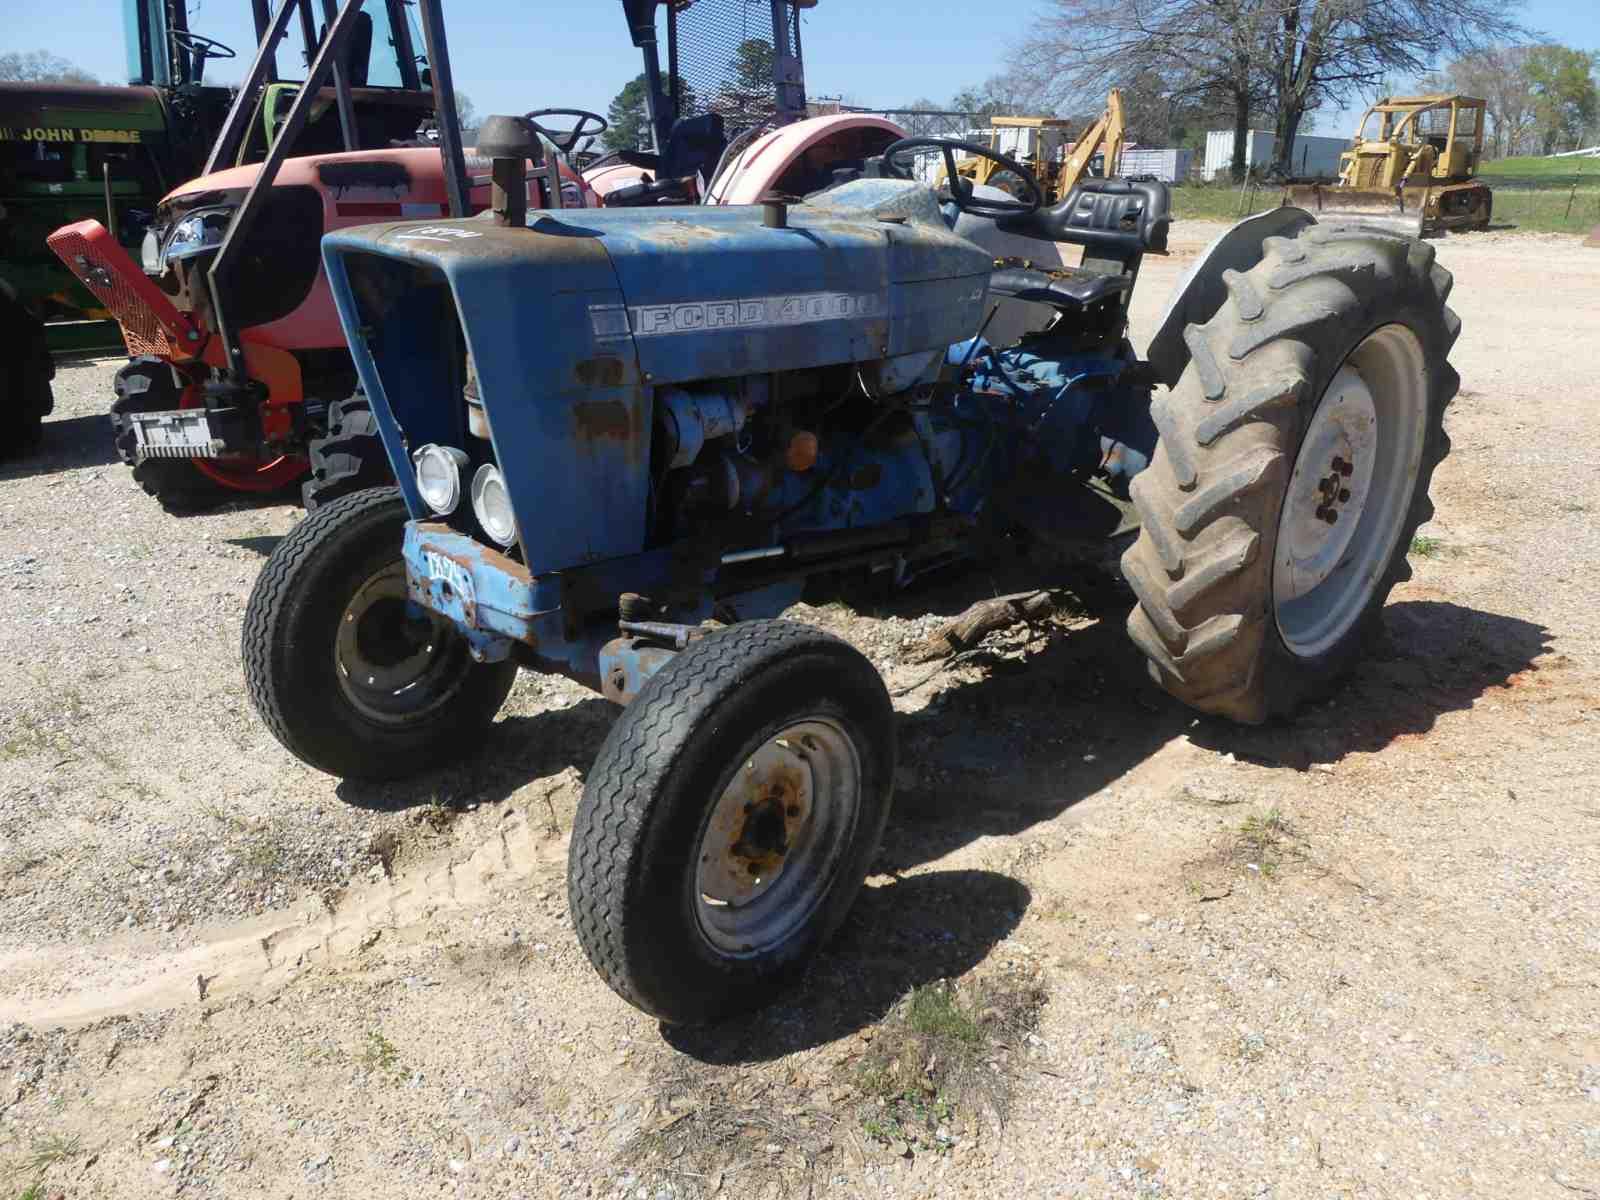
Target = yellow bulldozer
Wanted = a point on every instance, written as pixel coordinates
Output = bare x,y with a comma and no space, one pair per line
1413,158
1039,143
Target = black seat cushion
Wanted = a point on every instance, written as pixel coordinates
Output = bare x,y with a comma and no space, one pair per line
1115,217
1068,289
693,147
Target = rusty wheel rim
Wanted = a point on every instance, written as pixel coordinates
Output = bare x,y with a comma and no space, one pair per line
394,664
772,845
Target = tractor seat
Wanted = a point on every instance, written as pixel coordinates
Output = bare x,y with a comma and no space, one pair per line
1069,290
1113,218
693,146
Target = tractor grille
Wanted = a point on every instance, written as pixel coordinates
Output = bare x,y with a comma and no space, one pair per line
149,321
1369,170
725,59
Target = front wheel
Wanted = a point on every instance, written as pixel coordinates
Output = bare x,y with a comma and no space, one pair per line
730,818
346,671
1292,470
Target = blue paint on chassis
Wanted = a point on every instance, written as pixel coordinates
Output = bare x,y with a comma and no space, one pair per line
565,329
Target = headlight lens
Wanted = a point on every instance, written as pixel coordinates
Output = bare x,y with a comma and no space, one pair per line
195,233
492,504
439,476
150,253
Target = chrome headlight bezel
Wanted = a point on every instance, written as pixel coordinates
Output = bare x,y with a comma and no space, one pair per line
198,231
441,492
491,504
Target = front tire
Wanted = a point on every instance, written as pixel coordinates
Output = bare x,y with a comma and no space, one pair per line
149,384
1315,396
730,818
345,672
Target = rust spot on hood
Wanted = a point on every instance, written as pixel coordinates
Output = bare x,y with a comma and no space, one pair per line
603,370
599,419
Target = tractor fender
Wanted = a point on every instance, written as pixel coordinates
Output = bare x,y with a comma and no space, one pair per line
1202,290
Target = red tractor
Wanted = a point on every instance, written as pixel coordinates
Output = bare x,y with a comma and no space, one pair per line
239,379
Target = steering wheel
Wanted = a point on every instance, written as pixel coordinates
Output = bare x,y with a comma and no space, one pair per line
566,139
199,43
961,192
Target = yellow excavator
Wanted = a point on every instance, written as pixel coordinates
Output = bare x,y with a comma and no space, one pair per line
1412,158
1039,144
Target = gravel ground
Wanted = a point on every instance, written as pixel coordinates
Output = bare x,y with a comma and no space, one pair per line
1354,955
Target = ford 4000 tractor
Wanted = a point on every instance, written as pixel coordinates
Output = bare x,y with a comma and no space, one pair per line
625,438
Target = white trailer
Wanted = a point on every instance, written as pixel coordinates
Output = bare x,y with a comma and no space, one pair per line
1314,157
1169,166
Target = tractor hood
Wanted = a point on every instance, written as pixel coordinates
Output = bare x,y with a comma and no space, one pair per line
571,321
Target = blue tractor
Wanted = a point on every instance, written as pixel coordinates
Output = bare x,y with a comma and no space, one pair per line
625,439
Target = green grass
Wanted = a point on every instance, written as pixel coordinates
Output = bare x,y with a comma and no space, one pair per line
1219,201
1424,546
1266,841
1544,172
1536,195
380,1054
939,1064
45,1153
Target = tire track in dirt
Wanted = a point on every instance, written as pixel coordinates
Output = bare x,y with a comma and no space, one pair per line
72,986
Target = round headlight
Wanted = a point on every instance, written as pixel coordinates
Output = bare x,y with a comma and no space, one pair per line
492,504
439,476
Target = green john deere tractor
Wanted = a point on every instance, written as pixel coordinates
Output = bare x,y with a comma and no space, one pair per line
70,151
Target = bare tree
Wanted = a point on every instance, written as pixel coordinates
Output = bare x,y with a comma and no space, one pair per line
1004,93
40,66
1332,48
1499,75
1206,53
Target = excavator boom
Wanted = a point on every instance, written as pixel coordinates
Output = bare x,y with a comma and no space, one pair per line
1107,132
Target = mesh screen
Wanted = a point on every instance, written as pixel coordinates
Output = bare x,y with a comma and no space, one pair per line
105,269
1433,123
725,59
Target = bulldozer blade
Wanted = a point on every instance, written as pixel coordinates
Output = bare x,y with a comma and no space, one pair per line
1391,211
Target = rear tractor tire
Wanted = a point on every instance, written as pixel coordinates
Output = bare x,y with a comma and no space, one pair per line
351,458
729,820
1292,470
348,674
26,370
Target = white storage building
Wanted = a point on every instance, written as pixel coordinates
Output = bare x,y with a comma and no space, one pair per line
1169,166
1314,156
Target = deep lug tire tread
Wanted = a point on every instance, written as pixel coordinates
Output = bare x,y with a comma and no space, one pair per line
146,384
350,459
1209,501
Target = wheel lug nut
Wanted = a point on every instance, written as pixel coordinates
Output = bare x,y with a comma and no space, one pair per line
1345,468
1331,517
1344,495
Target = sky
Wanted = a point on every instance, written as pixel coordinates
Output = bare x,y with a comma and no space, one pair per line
513,57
